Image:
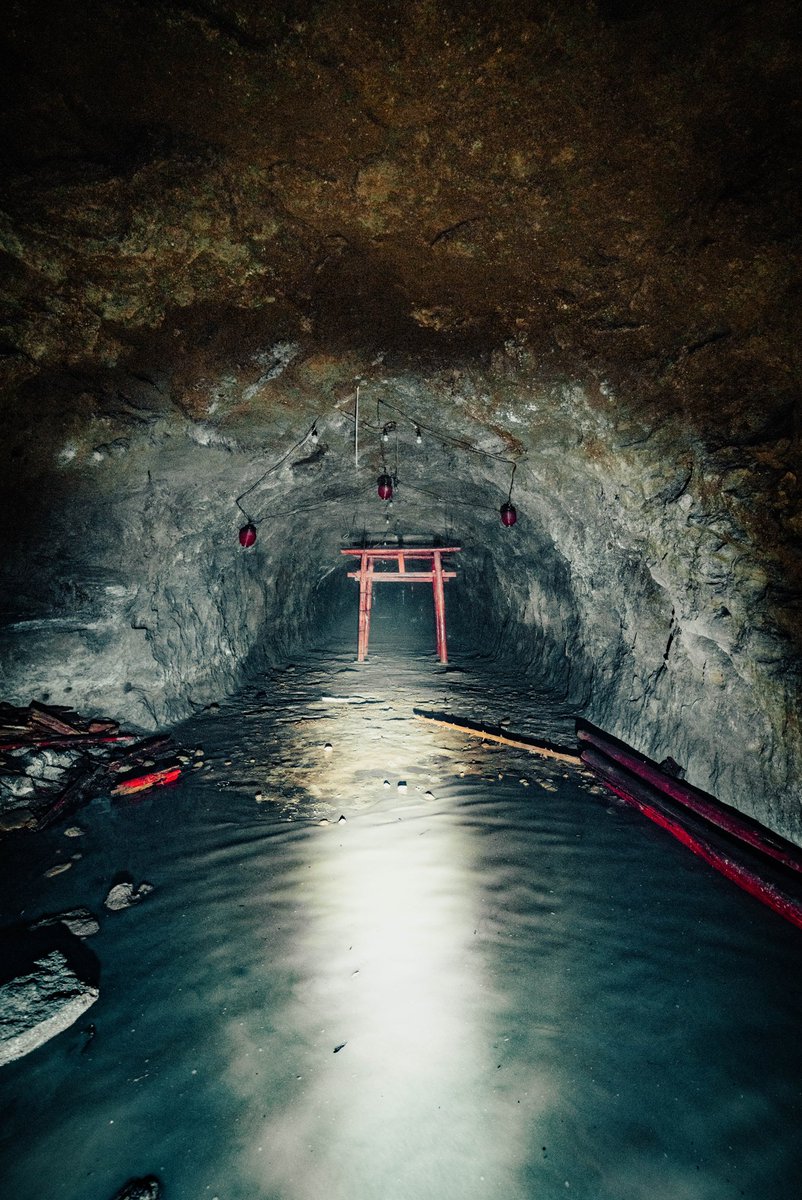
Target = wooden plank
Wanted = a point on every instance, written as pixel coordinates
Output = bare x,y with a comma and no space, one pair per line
53,740
439,609
493,733
142,783
43,717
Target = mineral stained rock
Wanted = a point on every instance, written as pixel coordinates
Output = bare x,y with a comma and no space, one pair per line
36,1006
146,1188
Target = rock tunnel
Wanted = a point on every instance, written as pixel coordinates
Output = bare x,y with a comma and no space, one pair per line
559,242
256,256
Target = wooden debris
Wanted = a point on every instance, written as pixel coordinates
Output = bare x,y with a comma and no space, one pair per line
494,733
141,783
97,759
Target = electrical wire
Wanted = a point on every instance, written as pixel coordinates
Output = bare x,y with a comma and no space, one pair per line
444,438
280,462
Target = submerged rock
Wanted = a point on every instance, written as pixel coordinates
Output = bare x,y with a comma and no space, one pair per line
147,1188
80,921
37,1005
123,895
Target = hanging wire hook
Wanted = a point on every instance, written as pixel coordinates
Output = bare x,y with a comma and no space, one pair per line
512,479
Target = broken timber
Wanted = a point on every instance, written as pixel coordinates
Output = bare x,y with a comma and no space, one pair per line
495,733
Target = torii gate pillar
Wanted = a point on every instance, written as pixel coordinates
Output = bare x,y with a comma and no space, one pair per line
435,574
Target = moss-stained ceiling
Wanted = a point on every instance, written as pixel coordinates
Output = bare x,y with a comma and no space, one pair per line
618,182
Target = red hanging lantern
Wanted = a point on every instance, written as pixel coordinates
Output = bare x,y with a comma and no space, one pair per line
508,513
247,535
384,486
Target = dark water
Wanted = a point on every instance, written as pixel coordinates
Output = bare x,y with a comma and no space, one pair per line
536,993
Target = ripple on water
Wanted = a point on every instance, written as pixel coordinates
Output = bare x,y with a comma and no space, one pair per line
524,987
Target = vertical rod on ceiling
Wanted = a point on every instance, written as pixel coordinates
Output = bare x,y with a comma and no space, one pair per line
356,431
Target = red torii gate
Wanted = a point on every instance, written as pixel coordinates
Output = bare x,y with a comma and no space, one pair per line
367,576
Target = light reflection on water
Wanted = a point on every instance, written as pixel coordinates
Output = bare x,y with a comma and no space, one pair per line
387,968
536,994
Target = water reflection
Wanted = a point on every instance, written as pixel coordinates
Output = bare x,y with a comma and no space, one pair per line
388,969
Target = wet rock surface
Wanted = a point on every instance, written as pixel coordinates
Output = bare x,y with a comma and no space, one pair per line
146,1188
44,989
124,894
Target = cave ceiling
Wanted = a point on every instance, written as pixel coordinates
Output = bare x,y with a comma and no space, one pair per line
611,188
616,183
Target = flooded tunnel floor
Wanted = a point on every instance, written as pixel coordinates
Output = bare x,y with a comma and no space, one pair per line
490,981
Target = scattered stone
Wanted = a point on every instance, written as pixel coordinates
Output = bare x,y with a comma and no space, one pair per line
199,752
59,869
147,1188
124,894
524,782
80,921
17,818
73,831
36,1006
259,797
341,1046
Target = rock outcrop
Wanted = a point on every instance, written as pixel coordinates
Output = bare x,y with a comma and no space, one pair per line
39,1004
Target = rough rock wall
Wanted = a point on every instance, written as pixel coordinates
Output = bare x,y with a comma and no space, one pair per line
633,583
139,601
566,236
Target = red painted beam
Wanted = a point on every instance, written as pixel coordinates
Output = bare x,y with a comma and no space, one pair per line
440,609
407,552
401,577
722,816
141,783
644,798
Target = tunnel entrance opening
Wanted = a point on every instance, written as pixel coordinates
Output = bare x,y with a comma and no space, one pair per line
407,571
